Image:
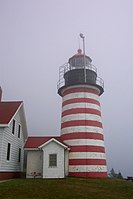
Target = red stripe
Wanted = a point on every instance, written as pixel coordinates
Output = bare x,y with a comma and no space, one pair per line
82,135
81,110
80,89
89,174
87,148
81,123
78,100
87,162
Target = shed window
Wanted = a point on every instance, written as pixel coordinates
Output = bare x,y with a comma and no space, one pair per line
8,151
13,127
52,160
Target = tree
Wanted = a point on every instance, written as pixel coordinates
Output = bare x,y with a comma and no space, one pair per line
113,174
119,175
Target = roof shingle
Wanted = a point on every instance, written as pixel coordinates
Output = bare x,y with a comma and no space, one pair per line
7,111
35,142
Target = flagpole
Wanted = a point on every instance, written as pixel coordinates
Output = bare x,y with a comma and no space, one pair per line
83,37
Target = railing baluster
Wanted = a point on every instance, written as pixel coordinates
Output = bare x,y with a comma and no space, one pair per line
67,67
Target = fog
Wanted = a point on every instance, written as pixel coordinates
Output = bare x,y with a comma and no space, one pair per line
38,36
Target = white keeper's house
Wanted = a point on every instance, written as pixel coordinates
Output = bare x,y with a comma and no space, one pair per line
13,133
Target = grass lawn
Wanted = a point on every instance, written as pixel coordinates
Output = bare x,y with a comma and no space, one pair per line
69,188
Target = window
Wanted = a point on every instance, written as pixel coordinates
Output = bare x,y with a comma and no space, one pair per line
19,155
19,131
8,151
52,160
13,127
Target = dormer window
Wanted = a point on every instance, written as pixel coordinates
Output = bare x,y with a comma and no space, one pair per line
13,127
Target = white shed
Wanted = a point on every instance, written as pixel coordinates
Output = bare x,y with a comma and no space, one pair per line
47,157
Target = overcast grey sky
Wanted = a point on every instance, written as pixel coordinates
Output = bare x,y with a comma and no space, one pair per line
37,36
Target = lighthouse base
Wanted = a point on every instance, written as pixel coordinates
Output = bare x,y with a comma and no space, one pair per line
88,174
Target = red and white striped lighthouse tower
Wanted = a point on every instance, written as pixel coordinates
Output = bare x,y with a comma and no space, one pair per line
81,125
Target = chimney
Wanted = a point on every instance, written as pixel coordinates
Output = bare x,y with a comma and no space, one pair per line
0,94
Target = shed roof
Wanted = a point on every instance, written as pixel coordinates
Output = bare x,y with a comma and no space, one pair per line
35,142
7,111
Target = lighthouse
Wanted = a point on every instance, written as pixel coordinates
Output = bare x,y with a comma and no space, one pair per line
81,122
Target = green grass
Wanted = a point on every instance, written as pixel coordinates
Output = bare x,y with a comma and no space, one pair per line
72,188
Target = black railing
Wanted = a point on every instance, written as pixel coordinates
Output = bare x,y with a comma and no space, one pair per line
67,67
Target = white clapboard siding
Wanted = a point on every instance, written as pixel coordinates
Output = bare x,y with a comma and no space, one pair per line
16,143
1,136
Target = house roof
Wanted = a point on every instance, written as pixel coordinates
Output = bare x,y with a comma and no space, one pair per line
7,111
35,142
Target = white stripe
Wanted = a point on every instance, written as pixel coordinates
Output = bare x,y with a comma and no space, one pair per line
86,155
81,95
81,105
87,168
82,142
81,116
74,129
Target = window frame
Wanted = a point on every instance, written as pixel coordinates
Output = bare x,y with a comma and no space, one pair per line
19,155
8,155
53,160
19,131
13,126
